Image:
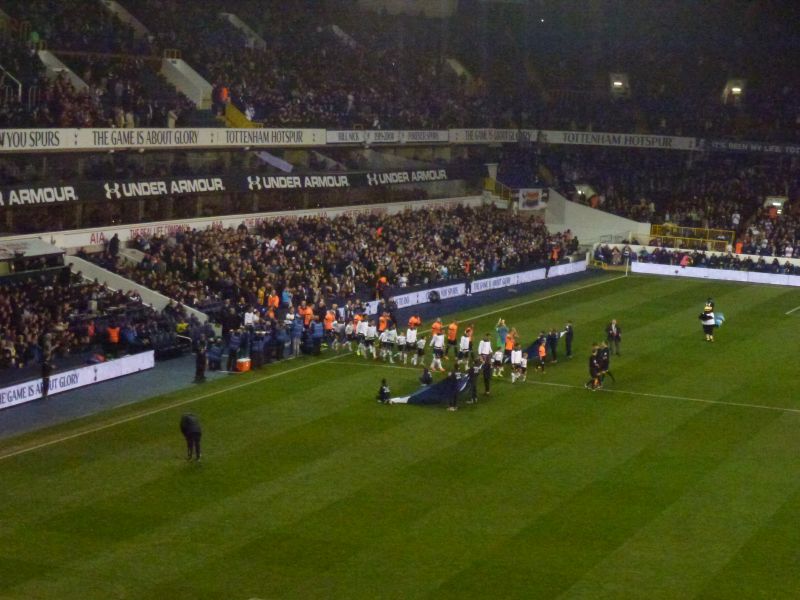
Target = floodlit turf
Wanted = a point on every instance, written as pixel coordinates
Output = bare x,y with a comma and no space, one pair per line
681,480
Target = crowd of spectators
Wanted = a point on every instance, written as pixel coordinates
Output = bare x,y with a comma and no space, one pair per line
77,25
342,258
687,189
59,317
335,65
753,260
119,67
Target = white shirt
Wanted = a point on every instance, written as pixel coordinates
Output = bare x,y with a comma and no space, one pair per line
362,328
421,343
516,357
463,345
289,318
411,336
372,332
523,362
391,335
401,340
250,318
348,329
437,341
384,337
498,356
485,348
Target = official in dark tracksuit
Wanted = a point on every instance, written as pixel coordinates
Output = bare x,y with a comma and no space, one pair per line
552,345
453,379
472,373
486,369
234,343
568,333
191,430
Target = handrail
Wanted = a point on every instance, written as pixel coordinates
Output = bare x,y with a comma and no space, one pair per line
17,81
671,230
33,96
112,55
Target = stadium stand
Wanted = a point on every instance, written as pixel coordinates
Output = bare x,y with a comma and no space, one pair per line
76,315
335,260
339,66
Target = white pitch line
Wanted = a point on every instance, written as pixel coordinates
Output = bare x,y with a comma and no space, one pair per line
608,391
160,409
543,298
791,311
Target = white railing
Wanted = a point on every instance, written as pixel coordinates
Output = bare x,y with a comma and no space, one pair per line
8,75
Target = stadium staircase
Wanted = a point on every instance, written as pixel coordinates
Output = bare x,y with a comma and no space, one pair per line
91,271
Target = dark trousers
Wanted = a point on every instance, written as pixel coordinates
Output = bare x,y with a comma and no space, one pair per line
200,367
233,355
487,381
614,343
568,342
193,444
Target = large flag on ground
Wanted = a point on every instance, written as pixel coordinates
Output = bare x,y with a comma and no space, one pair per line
438,393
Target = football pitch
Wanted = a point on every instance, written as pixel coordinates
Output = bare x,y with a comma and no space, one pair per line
679,480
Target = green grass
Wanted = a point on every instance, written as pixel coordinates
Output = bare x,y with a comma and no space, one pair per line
681,480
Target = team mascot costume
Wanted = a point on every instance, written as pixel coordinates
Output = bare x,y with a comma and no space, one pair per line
708,320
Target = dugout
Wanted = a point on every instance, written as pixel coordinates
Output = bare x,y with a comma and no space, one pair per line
19,258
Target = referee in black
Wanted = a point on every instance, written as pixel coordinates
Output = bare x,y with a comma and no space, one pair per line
191,430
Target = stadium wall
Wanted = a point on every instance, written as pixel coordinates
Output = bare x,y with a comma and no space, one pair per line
716,274
488,284
588,224
20,393
96,237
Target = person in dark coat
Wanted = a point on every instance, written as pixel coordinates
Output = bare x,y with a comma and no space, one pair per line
453,378
234,343
214,355
191,430
200,360
257,349
486,369
113,246
47,369
552,344
568,333
472,373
